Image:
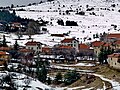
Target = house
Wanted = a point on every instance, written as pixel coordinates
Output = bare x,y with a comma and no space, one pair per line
5,49
35,46
109,46
86,51
15,25
62,49
112,37
3,25
25,51
4,57
46,50
97,46
67,52
71,42
114,60
117,44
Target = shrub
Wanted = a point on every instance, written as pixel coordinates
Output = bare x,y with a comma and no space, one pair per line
60,22
71,23
70,77
81,13
58,77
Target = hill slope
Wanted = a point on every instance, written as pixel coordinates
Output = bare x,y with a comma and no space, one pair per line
102,18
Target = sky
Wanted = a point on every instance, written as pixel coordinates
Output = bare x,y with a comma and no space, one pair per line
16,2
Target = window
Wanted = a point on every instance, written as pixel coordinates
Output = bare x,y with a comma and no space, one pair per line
96,52
32,48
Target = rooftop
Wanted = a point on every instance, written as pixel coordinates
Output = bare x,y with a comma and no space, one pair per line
32,43
113,35
97,43
67,40
5,48
115,55
65,47
3,53
25,50
83,46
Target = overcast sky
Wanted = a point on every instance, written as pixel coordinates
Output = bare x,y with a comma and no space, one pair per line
16,2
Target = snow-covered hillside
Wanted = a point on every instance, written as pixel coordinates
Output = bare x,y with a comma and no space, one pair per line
101,19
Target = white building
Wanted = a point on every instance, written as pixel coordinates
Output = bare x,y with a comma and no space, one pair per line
114,60
71,42
35,46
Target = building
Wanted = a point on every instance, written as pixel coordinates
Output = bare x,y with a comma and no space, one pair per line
71,42
117,44
67,52
46,50
15,25
25,51
97,46
114,60
3,25
5,49
112,37
35,46
86,51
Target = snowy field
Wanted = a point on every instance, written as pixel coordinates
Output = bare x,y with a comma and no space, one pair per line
105,16
22,80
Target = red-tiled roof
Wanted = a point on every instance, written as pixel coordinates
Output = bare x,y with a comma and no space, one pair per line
117,42
114,35
5,48
83,46
46,49
25,50
97,43
67,40
3,53
106,44
65,47
32,43
116,55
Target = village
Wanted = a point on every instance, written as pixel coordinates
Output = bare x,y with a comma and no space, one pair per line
27,59
56,45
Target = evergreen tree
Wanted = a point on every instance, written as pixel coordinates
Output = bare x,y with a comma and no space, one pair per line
97,36
49,81
70,77
58,77
42,74
4,41
12,6
103,55
14,12
16,46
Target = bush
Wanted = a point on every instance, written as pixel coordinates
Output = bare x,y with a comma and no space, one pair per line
60,22
81,13
71,23
58,77
90,9
70,77
118,10
5,15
